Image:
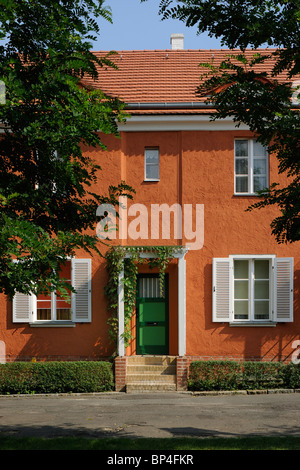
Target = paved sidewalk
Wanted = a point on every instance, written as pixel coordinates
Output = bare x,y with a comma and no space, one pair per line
151,415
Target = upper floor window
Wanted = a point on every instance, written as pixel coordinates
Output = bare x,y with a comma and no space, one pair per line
296,92
251,166
151,164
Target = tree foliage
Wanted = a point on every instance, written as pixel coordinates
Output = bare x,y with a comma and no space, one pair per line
48,204
238,88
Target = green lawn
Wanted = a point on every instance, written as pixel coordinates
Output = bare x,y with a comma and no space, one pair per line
74,443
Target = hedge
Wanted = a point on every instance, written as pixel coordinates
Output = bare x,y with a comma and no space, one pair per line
55,377
248,375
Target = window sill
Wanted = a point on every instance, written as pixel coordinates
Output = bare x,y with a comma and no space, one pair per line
151,181
252,323
246,195
50,324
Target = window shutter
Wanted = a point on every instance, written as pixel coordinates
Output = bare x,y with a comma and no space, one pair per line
81,281
221,290
22,308
283,289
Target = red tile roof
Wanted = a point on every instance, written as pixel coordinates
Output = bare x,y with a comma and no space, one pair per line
162,76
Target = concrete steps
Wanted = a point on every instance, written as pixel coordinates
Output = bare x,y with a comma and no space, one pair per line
151,374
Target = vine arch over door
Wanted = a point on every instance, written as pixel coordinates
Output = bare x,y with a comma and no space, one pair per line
179,253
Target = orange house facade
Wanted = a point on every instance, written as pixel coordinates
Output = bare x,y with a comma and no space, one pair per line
231,291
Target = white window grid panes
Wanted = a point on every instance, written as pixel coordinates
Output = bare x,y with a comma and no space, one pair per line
151,164
252,293
251,166
55,311
53,307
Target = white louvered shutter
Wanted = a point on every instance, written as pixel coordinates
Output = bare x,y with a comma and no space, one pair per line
22,308
283,290
81,281
221,290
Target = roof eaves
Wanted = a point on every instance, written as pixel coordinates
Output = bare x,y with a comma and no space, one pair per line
169,105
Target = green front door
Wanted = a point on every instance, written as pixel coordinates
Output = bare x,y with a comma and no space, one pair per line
152,316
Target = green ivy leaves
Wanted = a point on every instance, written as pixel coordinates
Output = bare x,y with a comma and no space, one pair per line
116,261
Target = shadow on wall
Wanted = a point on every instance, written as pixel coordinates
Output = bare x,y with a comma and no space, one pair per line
172,142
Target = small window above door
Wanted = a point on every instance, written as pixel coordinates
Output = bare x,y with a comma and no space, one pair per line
149,287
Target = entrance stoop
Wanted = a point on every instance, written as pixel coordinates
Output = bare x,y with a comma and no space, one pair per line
151,374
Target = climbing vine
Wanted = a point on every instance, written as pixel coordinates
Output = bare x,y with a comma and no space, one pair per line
116,261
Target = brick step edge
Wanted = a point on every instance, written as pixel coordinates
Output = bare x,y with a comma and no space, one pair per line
143,369
144,387
151,360
150,378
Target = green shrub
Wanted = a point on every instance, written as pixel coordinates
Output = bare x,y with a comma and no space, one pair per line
16,378
214,375
292,375
262,375
247,375
55,377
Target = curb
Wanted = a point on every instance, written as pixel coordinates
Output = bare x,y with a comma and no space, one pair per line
182,392
247,392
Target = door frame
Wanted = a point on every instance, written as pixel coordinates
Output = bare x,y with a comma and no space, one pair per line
165,300
180,255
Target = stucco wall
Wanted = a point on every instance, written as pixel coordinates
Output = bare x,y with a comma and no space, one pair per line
195,168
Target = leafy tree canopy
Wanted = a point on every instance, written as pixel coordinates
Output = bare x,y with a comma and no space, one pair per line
48,205
238,88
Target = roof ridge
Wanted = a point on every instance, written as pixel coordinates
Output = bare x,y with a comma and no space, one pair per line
175,51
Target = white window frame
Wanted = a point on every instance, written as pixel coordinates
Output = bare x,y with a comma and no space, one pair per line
53,318
250,176
296,92
147,164
53,297
280,292
250,279
25,306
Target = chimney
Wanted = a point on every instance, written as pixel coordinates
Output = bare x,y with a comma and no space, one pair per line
177,41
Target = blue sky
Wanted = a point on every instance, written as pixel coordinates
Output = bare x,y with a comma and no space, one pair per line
137,26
